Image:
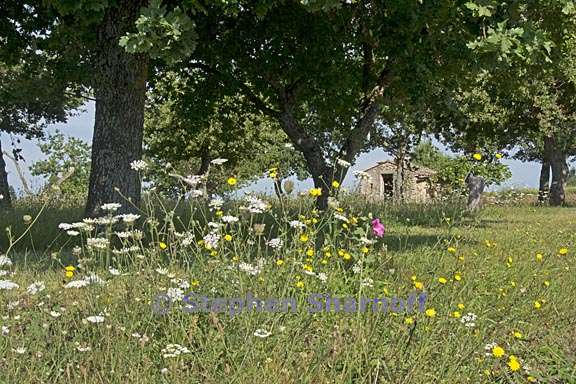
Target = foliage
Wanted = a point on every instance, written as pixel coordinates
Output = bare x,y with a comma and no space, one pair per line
65,156
452,170
188,132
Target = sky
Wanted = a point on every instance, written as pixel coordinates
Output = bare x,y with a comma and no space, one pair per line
81,126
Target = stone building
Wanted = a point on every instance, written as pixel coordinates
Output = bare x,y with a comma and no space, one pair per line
381,179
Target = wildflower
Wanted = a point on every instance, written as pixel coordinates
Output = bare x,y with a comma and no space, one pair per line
95,319
5,261
457,277
77,284
537,304
498,351
219,161
229,219
499,156
513,363
364,250
27,219
138,165
255,204
469,320
175,294
461,306
408,321
34,288
231,181
273,173
250,269
97,242
228,237
456,314
517,335
418,285
110,207
279,262
174,350
539,257
335,184
276,243
297,224
300,284
477,156
128,218
304,238
451,250
262,333
8,285
315,192
309,252
430,312
377,228
343,163
563,251
162,245
442,280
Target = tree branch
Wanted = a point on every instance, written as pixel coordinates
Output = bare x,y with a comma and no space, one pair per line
20,173
254,99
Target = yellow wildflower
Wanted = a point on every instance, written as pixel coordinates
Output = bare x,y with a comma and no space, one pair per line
231,181
498,351
431,312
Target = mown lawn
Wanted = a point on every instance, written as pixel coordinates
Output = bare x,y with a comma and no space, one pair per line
495,311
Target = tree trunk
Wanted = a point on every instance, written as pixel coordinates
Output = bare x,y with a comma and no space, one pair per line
119,88
559,176
544,188
5,199
475,189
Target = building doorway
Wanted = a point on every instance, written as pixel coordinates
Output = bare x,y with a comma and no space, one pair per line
388,185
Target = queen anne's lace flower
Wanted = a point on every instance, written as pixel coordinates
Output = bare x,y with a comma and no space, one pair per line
8,285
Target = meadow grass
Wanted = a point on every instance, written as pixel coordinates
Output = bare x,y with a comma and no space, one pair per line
489,294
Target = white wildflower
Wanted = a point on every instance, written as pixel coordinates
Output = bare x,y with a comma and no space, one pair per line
138,165
297,224
219,161
8,285
262,333
97,242
95,319
34,288
343,163
211,240
175,294
229,219
110,207
5,261
276,243
174,350
128,218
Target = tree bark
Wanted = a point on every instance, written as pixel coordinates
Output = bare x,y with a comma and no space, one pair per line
5,198
475,189
544,184
544,188
119,88
560,172
308,146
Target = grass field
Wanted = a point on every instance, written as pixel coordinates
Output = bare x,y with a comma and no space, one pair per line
499,307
